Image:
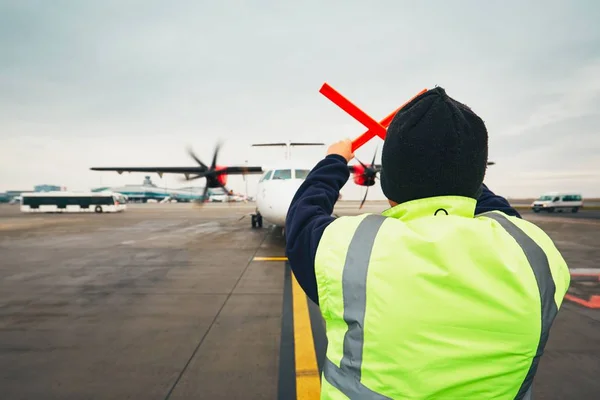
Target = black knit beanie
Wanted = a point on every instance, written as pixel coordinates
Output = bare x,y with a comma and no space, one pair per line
435,146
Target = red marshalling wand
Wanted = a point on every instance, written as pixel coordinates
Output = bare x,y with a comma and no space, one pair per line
374,127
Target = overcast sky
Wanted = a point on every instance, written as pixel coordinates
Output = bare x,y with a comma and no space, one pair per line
132,83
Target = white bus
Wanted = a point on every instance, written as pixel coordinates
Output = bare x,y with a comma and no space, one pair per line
58,202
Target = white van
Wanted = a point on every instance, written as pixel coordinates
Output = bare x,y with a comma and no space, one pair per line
555,201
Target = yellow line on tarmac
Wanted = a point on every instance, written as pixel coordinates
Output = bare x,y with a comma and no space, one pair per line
308,384
269,259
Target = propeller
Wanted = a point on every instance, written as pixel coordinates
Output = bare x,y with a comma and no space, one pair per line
210,173
369,173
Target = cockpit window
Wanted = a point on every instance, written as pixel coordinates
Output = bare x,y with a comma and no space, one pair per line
266,176
282,174
301,173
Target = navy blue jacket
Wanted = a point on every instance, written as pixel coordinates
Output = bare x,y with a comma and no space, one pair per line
310,213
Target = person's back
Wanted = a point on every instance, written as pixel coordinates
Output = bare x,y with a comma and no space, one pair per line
469,318
427,300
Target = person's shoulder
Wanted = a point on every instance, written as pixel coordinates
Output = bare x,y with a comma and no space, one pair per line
350,223
515,224
338,236
506,219
353,219
556,262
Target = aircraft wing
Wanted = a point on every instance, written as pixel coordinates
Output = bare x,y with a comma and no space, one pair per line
242,170
235,170
353,168
164,170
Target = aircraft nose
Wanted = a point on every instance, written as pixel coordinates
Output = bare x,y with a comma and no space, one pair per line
278,207
286,200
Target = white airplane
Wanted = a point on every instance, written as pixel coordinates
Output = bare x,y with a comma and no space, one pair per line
276,187
275,191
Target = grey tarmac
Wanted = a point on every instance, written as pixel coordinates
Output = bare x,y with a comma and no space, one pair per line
166,301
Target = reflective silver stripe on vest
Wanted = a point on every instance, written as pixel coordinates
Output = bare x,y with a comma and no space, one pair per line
346,378
541,269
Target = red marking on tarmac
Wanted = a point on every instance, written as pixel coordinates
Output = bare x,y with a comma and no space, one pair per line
596,274
374,128
592,301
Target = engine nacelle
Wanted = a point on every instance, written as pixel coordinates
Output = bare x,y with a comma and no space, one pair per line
220,180
360,178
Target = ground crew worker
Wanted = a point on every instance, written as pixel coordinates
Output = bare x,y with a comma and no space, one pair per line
448,294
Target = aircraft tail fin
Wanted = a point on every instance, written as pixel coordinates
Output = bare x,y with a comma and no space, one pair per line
306,144
268,144
288,145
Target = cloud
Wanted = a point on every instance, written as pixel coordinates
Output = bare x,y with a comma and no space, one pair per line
87,84
573,97
569,175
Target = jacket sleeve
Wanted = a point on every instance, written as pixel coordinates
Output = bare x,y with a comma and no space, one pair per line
310,212
488,201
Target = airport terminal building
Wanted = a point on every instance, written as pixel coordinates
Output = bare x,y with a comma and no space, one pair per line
13,196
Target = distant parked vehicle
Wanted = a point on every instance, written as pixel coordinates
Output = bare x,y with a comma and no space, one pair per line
58,202
555,201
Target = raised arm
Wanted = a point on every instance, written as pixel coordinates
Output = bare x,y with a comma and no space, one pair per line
309,214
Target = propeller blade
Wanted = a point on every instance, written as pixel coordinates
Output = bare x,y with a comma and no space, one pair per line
364,199
203,200
361,163
214,160
193,178
191,153
227,191
204,192
374,155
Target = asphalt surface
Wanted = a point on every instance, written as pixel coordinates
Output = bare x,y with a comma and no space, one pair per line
583,214
159,302
168,301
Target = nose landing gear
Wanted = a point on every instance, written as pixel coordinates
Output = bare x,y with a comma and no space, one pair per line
257,220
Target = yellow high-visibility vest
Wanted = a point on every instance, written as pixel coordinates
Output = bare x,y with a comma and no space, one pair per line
429,301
